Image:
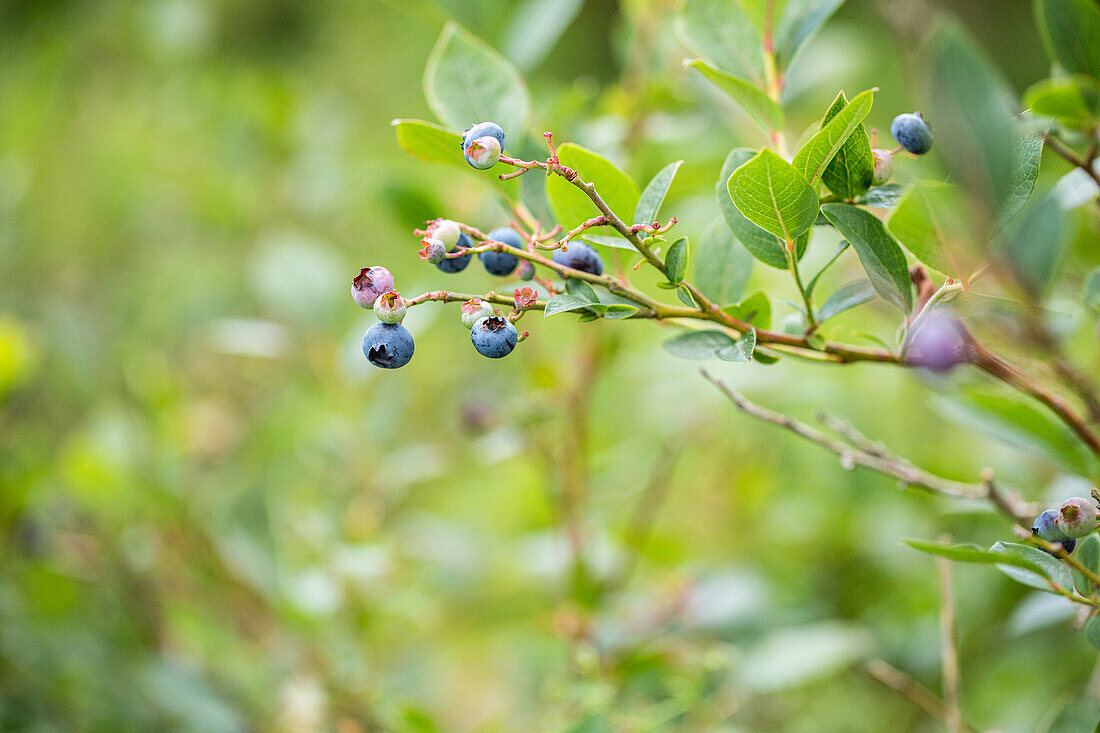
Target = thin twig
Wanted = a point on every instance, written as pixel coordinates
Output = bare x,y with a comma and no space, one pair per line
948,650
914,691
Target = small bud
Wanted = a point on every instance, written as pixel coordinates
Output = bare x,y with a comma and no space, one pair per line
525,297
474,310
884,165
938,342
369,284
390,307
433,250
1078,517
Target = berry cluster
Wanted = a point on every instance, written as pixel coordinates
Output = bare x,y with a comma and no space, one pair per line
1076,518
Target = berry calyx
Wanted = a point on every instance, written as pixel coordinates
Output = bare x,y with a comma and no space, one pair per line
369,284
912,133
502,263
390,307
524,297
388,345
1077,517
474,310
580,257
494,337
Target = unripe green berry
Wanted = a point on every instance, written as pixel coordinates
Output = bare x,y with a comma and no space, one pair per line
884,165
474,310
390,307
445,231
1078,517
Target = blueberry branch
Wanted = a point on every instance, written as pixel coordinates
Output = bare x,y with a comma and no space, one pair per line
1085,163
446,296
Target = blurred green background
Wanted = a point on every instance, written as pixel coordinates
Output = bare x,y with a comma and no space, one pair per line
216,516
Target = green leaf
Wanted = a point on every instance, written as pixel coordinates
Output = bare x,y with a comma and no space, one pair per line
1025,171
820,149
615,311
814,280
762,108
616,241
1036,245
466,81
800,20
755,309
1070,29
852,169
1090,292
972,118
1046,566
928,222
1074,100
429,142
722,269
570,205
1092,631
712,344
1088,554
582,290
773,195
847,297
535,28
685,297
761,245
676,261
654,194
879,252
1031,570
1020,423
721,31
886,196
564,302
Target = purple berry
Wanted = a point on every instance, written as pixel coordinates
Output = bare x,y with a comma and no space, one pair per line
369,284
388,345
525,271
580,257
938,342
1077,517
494,337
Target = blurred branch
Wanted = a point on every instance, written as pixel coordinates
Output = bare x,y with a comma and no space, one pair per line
862,452
917,693
1084,163
948,652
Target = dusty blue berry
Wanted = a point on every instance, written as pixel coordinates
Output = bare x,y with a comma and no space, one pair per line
369,284
452,265
388,345
938,342
433,250
502,263
580,257
494,337
482,129
1048,526
1078,517
912,133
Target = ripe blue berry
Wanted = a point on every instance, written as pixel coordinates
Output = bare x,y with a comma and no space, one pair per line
474,310
580,257
938,342
502,263
912,133
1078,517
482,153
1047,526
433,250
390,307
369,284
526,270
451,265
480,130
884,166
494,337
388,345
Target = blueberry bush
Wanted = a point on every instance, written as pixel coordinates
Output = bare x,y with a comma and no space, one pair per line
942,252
